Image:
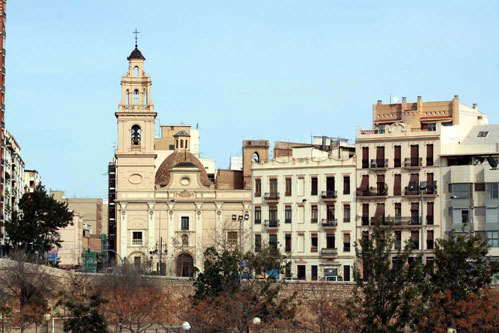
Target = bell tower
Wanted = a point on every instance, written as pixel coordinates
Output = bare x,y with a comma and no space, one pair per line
135,156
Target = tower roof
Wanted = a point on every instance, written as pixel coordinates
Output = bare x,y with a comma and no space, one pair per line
181,133
136,54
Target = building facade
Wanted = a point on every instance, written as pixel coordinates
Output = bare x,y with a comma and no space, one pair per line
3,34
31,180
168,205
304,205
399,167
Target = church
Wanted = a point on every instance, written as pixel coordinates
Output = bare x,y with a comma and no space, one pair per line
169,204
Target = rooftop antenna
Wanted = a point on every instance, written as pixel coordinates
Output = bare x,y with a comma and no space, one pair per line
136,36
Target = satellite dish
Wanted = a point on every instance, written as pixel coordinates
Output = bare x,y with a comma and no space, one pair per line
395,100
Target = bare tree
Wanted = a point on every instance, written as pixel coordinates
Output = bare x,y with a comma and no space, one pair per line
29,287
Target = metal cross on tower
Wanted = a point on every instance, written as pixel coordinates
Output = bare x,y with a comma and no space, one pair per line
136,36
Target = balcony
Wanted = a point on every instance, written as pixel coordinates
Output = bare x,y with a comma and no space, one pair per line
373,192
413,163
137,242
395,221
329,195
329,223
365,220
271,196
271,224
379,164
329,253
413,191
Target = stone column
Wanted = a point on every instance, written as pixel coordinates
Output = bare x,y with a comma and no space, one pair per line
199,235
170,220
218,226
123,230
151,227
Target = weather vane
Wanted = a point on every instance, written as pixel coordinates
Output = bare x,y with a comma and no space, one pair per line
136,36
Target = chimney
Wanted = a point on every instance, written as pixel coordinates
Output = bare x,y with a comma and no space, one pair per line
475,106
420,98
380,101
404,100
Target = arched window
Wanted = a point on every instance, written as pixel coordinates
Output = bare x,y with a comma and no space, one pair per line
136,96
136,71
145,97
181,143
186,146
256,157
176,143
135,135
127,97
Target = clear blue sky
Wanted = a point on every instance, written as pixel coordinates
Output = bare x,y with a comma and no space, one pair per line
241,69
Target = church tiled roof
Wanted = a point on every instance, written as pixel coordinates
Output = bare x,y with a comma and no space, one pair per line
136,54
180,159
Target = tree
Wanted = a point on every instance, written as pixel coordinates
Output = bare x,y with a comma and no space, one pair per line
384,297
136,301
37,222
459,279
221,294
462,265
322,312
85,317
30,286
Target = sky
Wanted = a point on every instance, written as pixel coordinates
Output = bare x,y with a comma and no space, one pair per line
239,70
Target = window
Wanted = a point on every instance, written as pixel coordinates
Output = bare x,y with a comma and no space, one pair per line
136,71
346,242
432,127
301,272
258,215
330,187
492,192
288,242
273,243
272,214
287,214
365,157
135,135
398,157
397,186
258,187
398,240
479,187
273,186
256,157
429,155
346,184
346,213
232,237
482,134
461,191
314,273
136,96
330,242
185,223
365,214
415,239
258,243
429,239
493,238
346,273
314,186
288,187
314,214
465,218
330,213
137,238
314,243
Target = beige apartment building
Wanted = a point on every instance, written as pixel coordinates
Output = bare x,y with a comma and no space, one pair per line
399,167
13,183
170,204
470,198
31,180
304,205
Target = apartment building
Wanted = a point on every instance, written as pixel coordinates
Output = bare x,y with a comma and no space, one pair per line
399,167
12,181
303,205
470,198
31,180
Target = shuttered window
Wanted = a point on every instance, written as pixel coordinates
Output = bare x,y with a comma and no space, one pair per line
397,186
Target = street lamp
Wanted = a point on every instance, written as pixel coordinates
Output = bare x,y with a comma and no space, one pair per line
186,326
43,251
47,317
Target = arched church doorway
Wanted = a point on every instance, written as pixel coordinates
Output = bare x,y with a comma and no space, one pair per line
185,265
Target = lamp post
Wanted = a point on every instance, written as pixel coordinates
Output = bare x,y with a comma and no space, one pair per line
47,317
43,251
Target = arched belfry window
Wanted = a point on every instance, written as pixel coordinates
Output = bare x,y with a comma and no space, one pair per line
145,97
176,143
181,143
136,96
127,97
135,135
256,157
136,71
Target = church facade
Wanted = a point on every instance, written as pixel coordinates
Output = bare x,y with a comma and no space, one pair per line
170,204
